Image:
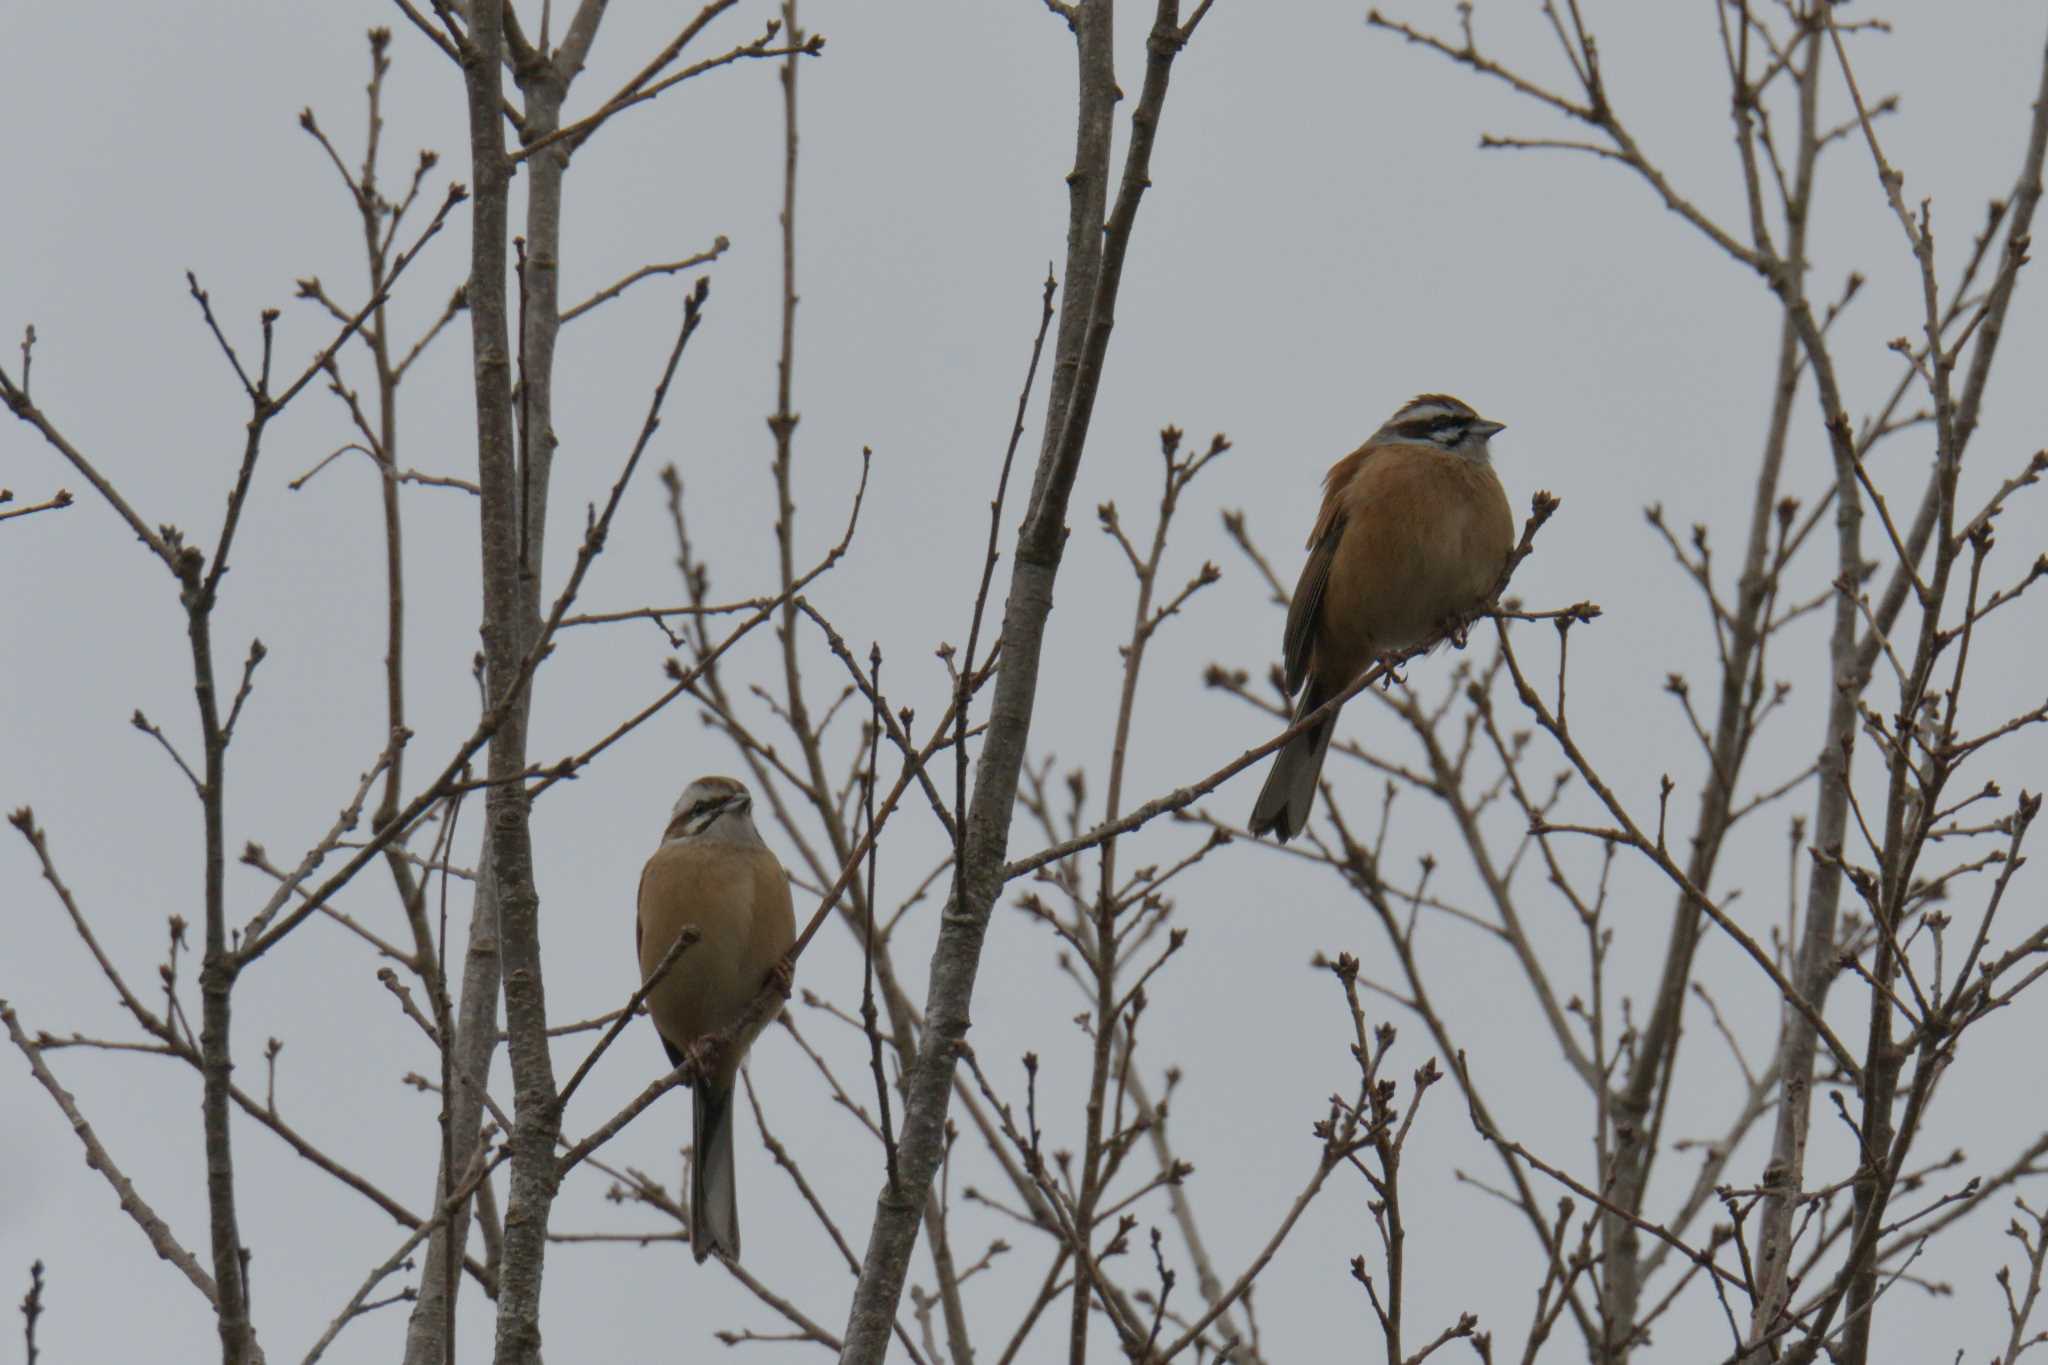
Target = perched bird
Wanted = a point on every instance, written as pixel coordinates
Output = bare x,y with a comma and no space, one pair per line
1414,530
712,870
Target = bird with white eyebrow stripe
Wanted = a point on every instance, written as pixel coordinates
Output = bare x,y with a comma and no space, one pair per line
714,871
1414,530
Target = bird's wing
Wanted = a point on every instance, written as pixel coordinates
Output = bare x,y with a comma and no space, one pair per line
1315,575
675,1054
639,925
1307,602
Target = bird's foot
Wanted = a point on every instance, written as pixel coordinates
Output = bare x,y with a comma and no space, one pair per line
702,1056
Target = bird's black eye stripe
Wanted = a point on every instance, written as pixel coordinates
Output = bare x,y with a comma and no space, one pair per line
1443,428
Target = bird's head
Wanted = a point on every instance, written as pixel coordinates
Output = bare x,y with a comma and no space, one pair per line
1437,419
712,805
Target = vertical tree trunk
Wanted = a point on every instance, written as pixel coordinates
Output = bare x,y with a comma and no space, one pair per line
1094,271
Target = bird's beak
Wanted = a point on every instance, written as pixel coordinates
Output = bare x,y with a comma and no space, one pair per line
1487,429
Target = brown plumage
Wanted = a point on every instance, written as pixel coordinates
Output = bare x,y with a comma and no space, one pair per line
1414,530
712,870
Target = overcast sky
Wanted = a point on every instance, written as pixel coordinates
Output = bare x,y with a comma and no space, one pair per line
1323,240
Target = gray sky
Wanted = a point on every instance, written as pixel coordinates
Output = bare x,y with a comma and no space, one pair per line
1322,241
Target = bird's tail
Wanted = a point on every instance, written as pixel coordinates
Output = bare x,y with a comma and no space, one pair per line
1283,805
714,1204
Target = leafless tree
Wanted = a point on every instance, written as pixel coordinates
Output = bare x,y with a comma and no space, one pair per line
1798,1260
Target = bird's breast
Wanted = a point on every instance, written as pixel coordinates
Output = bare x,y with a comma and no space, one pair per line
1426,534
738,899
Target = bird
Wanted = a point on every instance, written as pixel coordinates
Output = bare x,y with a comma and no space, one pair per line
713,870
1414,531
